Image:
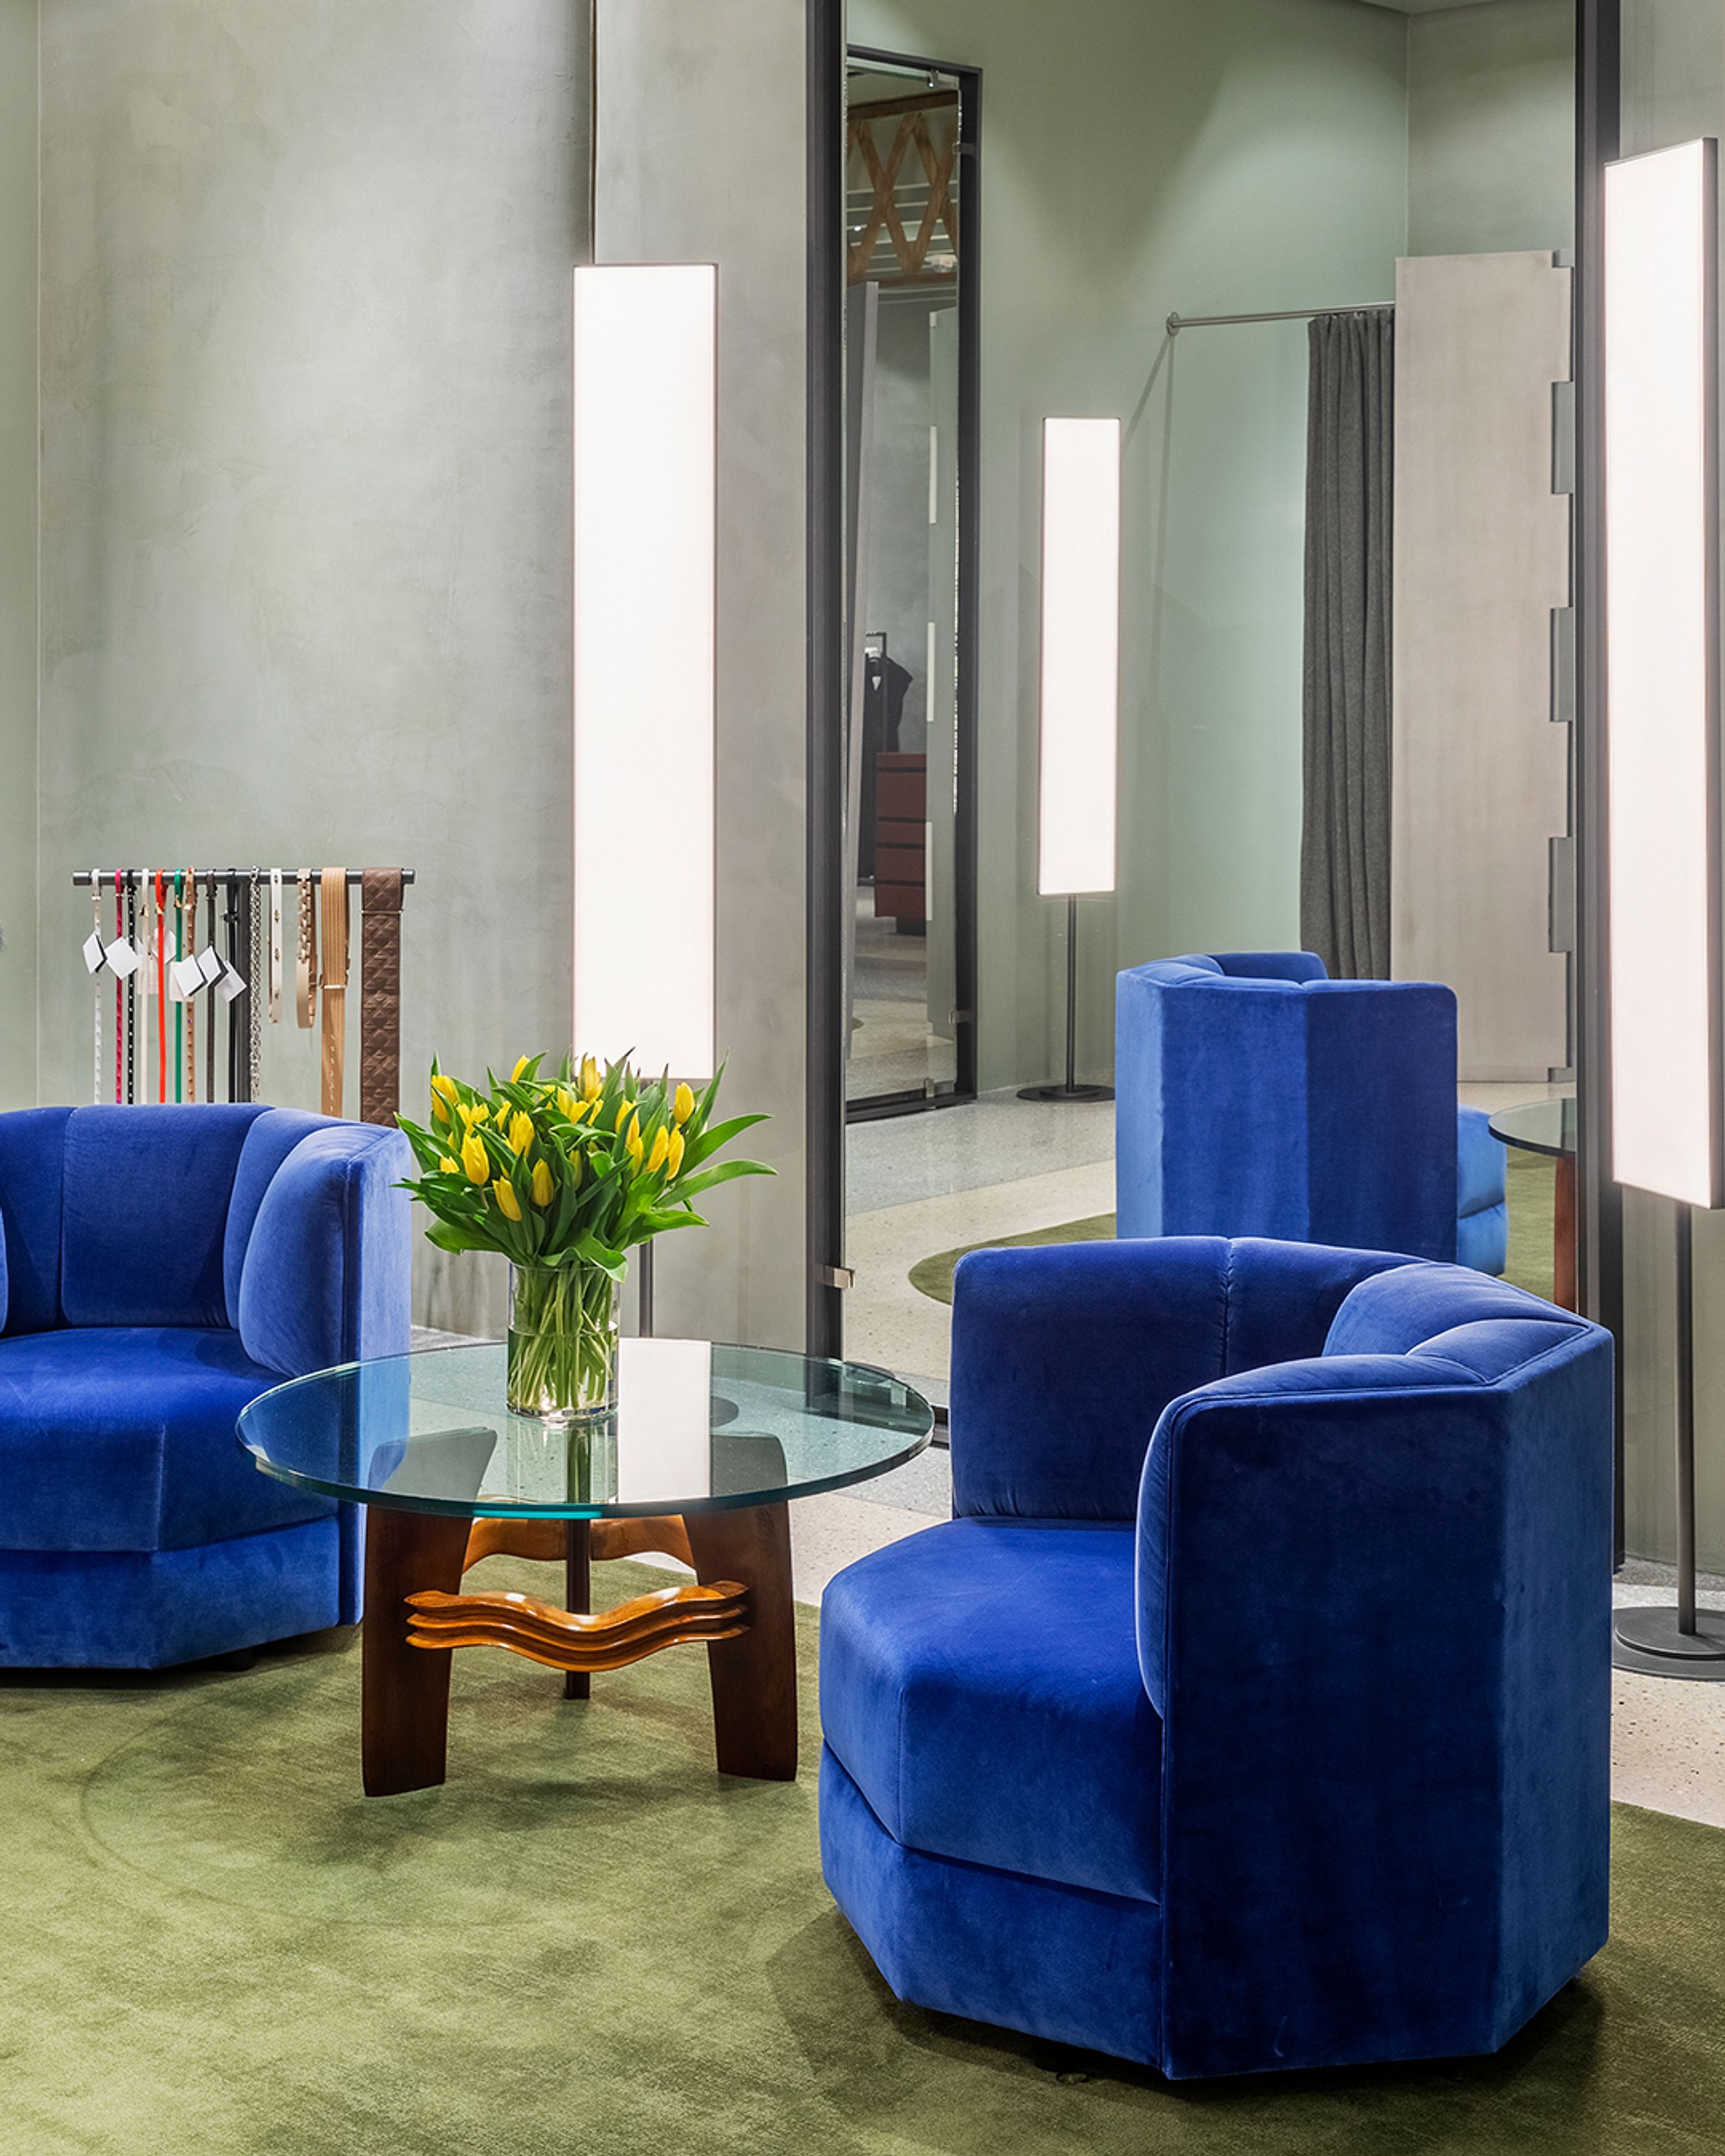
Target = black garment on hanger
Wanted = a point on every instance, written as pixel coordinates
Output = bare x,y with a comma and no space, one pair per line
885,683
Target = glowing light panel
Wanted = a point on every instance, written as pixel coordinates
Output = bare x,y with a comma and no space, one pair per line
1080,653
645,488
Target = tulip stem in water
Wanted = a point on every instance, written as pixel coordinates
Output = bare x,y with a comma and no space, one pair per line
563,1341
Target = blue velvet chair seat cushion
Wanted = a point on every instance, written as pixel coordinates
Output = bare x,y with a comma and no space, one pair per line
122,1438
980,1686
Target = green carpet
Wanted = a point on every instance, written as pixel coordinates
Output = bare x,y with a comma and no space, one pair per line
587,1943
1532,1196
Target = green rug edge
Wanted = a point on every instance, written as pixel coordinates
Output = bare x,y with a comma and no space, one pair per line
1532,1197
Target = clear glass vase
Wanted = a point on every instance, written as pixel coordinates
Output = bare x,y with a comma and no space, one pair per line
563,1342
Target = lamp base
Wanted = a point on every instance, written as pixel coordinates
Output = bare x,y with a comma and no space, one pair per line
1647,1640
1065,1092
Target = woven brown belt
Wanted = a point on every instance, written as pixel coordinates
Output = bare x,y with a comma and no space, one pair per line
333,892
380,996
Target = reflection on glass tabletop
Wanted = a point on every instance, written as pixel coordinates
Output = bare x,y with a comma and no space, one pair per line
697,1428
1537,1126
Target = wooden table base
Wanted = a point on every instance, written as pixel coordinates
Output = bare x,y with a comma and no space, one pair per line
740,1608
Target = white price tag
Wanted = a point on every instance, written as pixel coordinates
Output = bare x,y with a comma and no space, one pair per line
231,985
95,957
188,978
123,957
209,964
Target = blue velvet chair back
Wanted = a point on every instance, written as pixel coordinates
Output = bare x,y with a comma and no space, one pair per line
1257,1098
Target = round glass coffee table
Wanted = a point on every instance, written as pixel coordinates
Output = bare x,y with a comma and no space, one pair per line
1548,1127
706,1449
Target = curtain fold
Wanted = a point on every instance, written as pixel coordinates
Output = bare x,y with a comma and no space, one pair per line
1344,853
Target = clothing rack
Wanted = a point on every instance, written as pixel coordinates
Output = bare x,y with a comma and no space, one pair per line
1176,323
166,993
136,879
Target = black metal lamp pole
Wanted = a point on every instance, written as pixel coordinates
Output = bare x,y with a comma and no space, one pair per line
1071,1090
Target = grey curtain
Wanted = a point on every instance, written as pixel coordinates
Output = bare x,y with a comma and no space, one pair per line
1344,855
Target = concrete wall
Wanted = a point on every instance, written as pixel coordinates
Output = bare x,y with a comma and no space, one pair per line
703,157
1491,128
305,507
18,552
1140,157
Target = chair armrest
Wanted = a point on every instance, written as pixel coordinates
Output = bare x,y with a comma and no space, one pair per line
1064,1356
1374,1614
326,1273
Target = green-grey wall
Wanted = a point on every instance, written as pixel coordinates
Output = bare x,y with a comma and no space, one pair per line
305,289
1491,128
1141,157
18,552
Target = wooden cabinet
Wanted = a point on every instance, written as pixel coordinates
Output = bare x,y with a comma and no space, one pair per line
901,833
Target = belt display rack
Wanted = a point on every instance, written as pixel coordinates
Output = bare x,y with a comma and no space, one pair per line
198,954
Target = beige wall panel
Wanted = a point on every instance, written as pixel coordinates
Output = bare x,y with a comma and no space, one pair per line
1482,557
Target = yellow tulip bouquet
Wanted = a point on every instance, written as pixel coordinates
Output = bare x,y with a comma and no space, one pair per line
564,1175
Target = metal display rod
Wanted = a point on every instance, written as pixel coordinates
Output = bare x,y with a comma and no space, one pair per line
1176,323
120,878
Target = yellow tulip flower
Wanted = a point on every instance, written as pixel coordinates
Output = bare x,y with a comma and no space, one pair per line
508,1204
574,1171
661,1146
569,1105
632,1144
473,1159
439,1113
475,1112
625,1109
444,1086
683,1105
543,1189
449,1167
520,1065
590,1079
674,1157
520,1134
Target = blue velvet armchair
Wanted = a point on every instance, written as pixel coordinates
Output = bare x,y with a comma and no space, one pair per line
1253,1712
1256,1096
159,1268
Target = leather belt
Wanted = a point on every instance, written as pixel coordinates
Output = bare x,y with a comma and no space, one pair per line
275,947
305,972
380,996
333,891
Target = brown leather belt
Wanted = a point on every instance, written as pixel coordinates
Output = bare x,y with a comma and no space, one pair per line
333,891
305,972
380,996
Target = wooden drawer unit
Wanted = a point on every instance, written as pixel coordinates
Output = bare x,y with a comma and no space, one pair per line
900,811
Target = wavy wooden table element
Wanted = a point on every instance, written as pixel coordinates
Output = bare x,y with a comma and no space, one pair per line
567,1640
739,1608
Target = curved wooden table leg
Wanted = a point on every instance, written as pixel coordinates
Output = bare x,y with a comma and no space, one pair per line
1563,1234
754,1677
404,1692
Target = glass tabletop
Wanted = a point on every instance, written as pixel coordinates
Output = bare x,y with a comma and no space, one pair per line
698,1427
1537,1126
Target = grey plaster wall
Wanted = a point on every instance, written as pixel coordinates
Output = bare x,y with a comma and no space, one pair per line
305,510
1491,128
18,552
701,156
1140,157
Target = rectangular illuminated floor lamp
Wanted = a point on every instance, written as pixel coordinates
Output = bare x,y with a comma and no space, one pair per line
1080,689
645,548
1662,762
